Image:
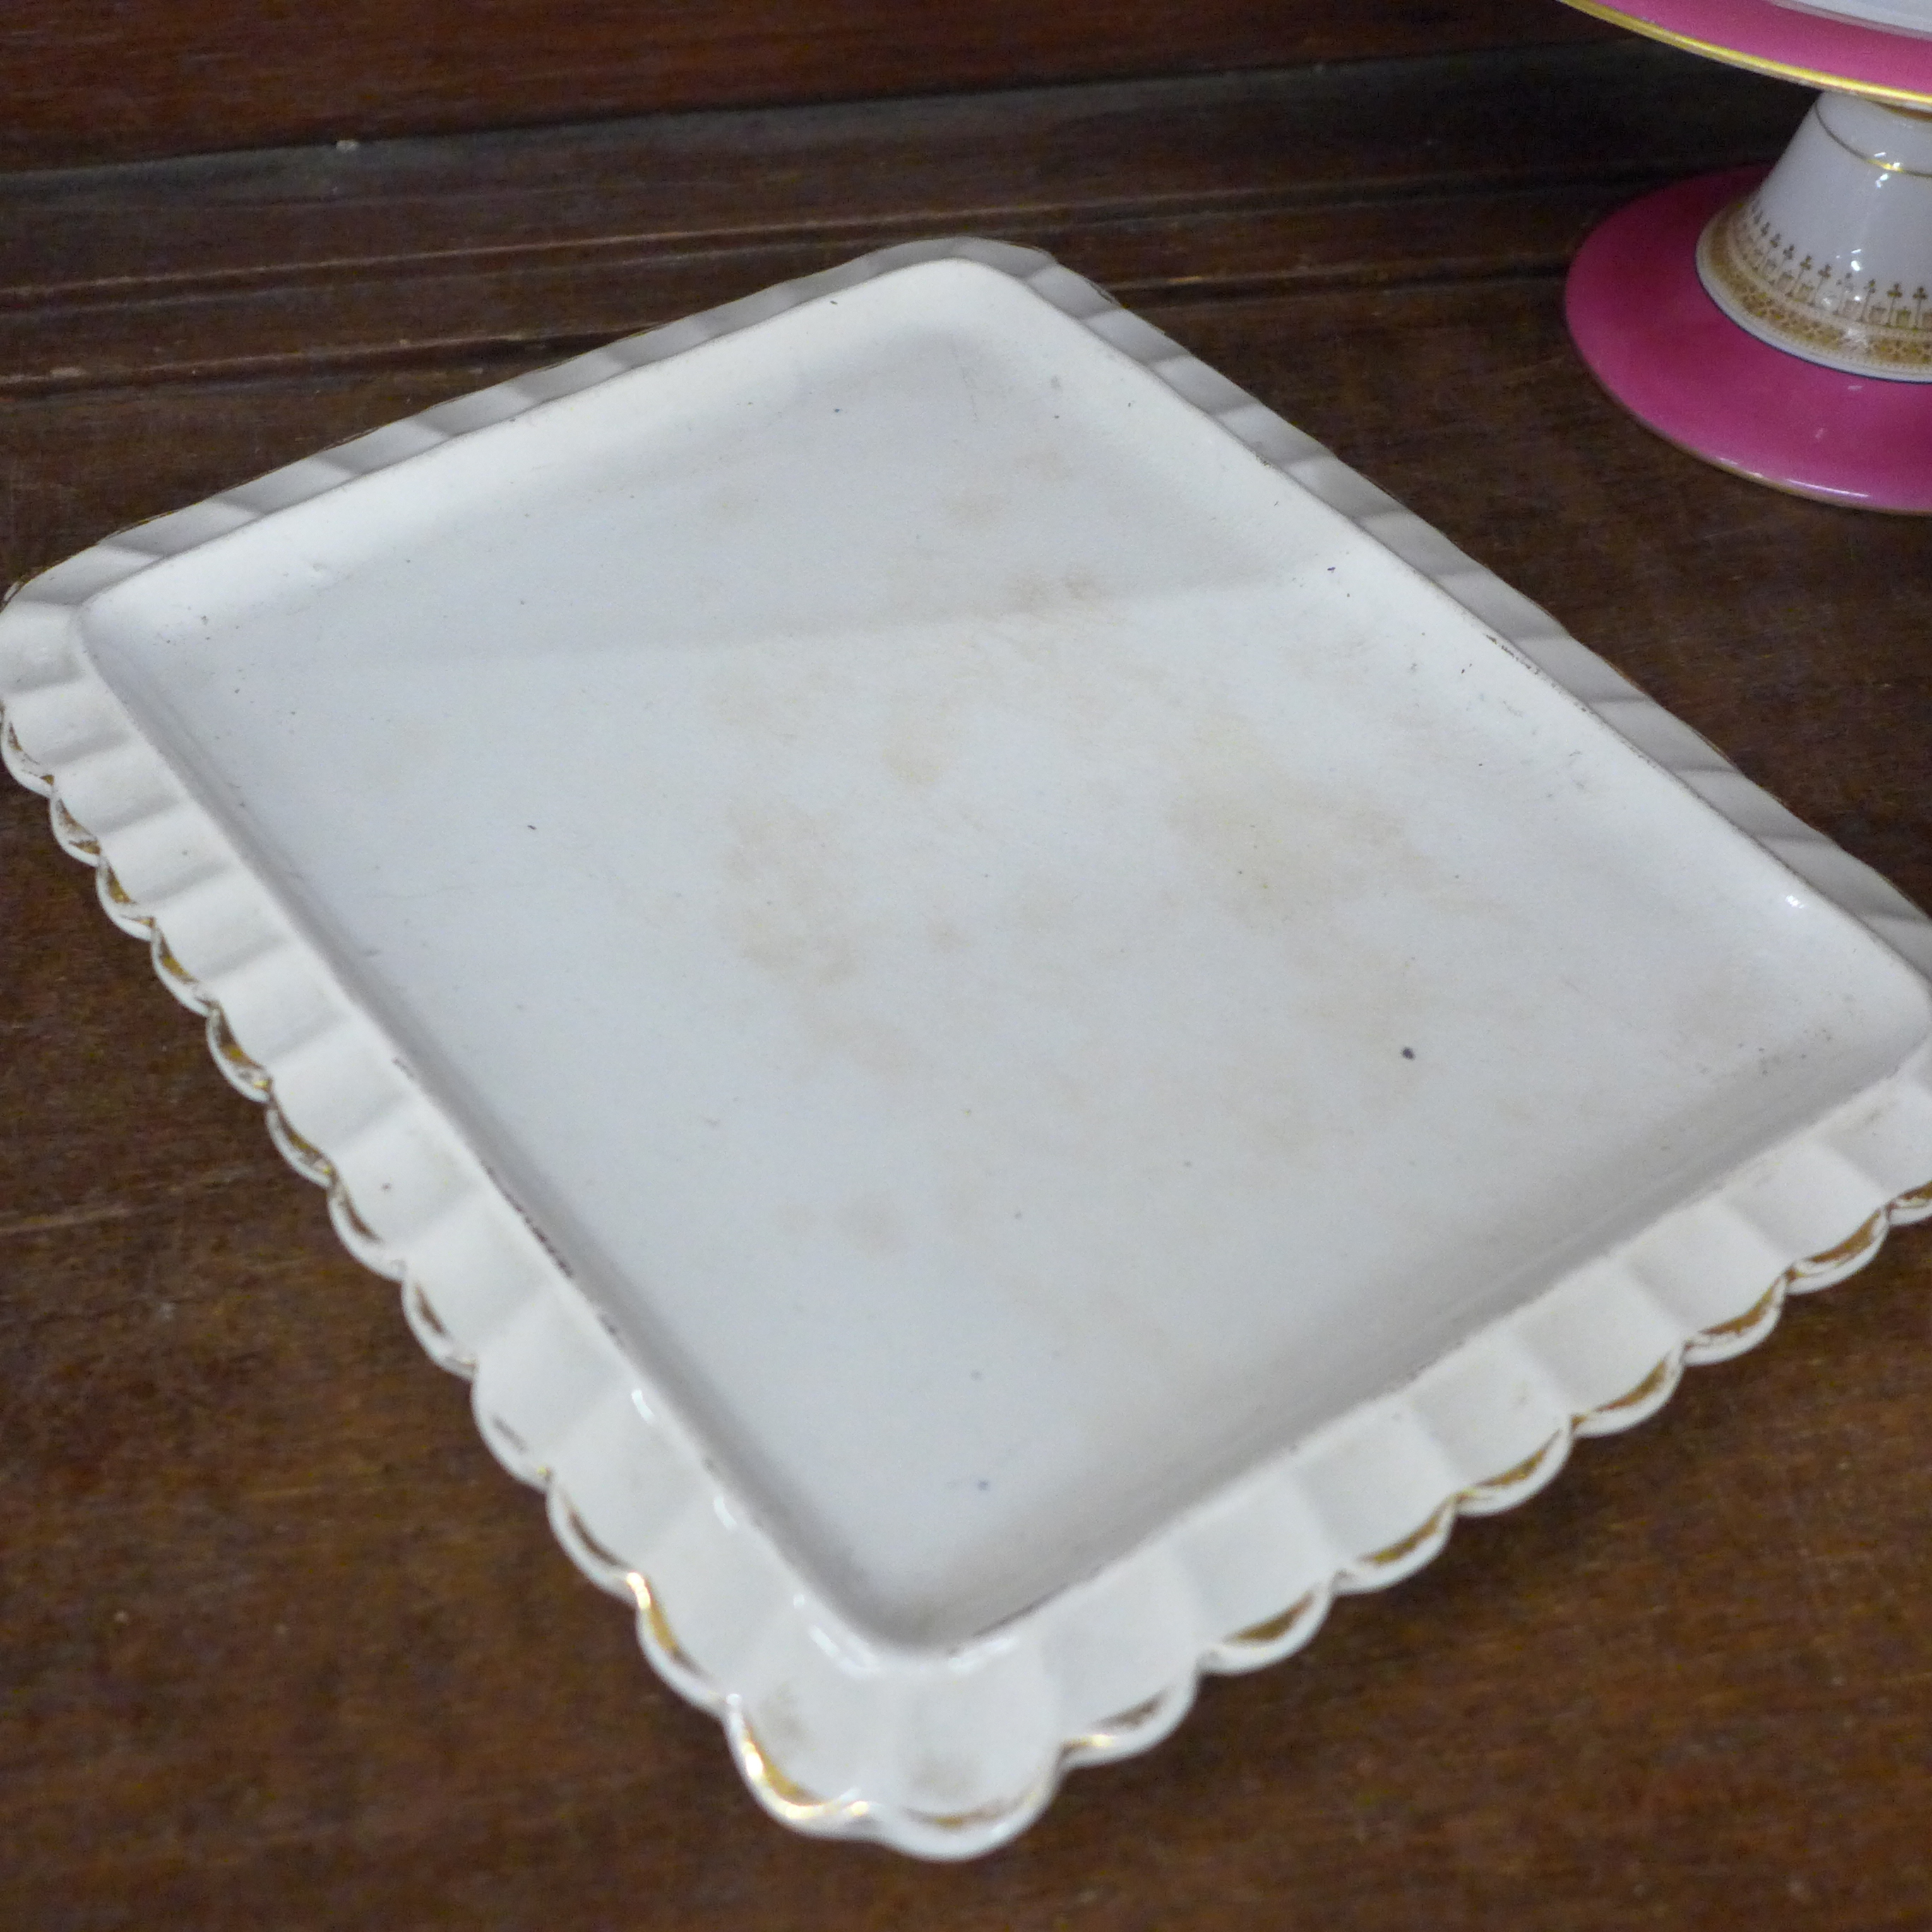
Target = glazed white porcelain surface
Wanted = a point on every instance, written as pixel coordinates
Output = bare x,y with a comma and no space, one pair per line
1017,1027
1896,17
1831,259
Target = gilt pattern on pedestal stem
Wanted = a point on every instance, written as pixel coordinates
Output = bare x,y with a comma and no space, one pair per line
1846,311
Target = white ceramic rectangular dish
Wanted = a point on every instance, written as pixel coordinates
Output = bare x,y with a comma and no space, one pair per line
1016,1027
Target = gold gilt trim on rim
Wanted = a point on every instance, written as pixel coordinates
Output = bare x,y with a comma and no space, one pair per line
791,1801
1806,77
1435,1524
1862,321
1855,1244
1517,1474
1274,1629
1878,161
1912,1203
1760,1314
1665,1372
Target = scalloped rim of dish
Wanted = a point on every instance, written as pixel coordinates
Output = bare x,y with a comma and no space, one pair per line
942,1754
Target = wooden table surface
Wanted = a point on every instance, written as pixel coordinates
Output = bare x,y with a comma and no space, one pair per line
279,1646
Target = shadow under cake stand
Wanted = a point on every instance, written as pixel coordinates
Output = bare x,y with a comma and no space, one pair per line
1779,325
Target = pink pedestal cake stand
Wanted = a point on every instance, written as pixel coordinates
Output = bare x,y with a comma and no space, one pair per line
1792,344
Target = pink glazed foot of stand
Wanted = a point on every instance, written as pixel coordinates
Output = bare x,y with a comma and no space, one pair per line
1665,350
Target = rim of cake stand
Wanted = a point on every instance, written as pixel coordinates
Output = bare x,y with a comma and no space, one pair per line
1843,56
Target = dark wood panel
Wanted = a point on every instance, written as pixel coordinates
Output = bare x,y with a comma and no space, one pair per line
149,77
551,240
1630,110
541,306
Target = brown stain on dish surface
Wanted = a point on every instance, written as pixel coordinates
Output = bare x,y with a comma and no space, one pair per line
873,1226
790,915
1281,842
794,913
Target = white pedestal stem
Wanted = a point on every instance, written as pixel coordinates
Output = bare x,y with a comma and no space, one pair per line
1831,258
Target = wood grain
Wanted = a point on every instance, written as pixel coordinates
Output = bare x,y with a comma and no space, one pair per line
253,264
279,1644
141,78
